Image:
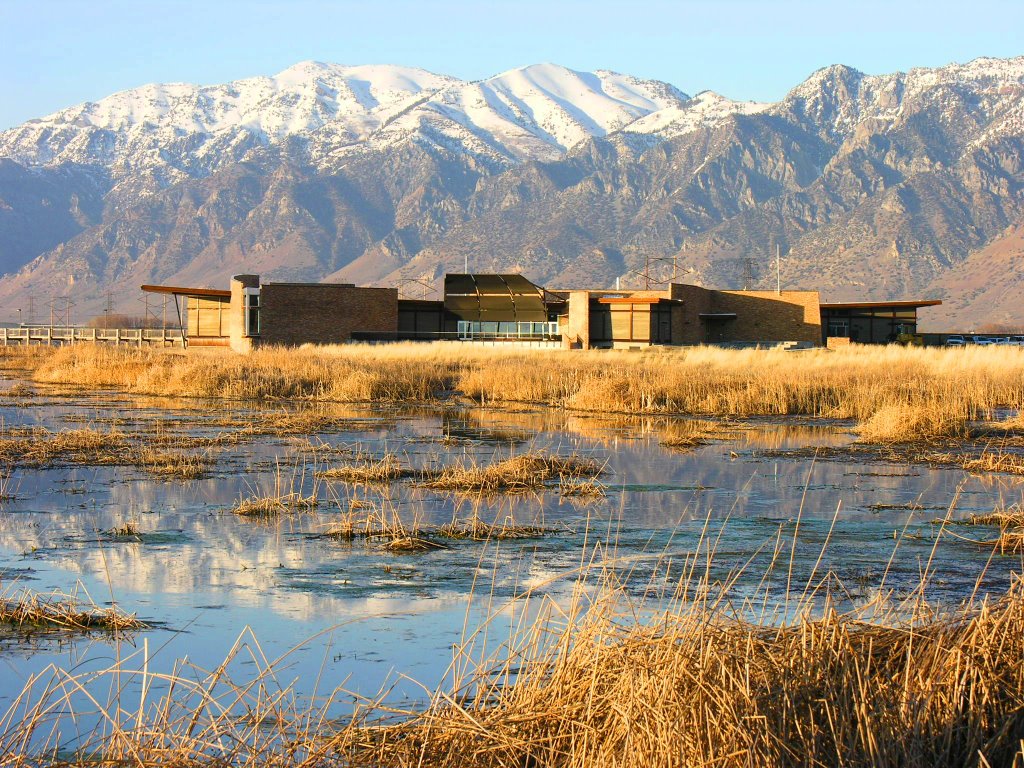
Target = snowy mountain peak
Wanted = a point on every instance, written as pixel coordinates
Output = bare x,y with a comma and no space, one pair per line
705,109
533,112
536,112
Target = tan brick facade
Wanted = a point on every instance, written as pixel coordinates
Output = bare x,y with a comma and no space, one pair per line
769,316
702,315
291,314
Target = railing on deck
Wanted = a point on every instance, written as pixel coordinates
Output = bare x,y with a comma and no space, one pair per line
59,335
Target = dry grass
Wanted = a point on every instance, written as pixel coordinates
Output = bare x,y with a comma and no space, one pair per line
518,474
386,469
576,488
595,683
996,461
854,383
373,521
904,422
475,529
28,610
38,447
686,434
264,374
19,390
271,506
1010,522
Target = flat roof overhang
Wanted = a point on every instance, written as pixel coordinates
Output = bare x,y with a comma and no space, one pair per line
636,300
175,291
883,304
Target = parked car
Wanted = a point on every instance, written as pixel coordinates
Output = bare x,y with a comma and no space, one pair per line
955,341
982,341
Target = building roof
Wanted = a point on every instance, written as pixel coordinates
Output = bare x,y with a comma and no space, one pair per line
204,292
482,297
882,304
635,300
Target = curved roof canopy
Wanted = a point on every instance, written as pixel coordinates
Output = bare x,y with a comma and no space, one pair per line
495,298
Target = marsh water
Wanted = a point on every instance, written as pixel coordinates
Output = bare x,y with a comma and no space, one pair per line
358,615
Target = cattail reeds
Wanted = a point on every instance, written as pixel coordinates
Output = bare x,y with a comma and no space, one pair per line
364,520
589,488
178,464
903,422
127,530
596,681
854,383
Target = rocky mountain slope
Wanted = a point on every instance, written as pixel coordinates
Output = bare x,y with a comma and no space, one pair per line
896,186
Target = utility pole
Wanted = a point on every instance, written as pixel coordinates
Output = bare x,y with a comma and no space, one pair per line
778,269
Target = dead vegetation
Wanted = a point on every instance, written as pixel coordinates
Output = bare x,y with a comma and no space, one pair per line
37,447
385,469
518,474
856,383
26,610
271,506
476,529
592,683
996,461
1010,521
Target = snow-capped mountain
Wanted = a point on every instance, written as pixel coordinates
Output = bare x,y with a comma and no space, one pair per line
874,186
534,112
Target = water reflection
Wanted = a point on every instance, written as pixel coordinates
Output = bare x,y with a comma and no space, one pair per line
203,573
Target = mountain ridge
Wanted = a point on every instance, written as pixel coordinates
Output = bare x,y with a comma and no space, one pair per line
870,184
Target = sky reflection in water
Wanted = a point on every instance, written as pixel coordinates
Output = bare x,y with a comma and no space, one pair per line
202,575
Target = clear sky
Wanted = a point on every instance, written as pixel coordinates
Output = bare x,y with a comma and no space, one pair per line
55,53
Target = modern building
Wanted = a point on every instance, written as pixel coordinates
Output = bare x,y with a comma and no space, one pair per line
505,309
872,322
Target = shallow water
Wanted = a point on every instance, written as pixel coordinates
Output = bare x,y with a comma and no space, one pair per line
354,614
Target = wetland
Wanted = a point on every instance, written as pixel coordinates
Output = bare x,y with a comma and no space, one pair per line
371,558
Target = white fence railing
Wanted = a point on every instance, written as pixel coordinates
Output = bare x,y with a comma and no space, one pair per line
164,337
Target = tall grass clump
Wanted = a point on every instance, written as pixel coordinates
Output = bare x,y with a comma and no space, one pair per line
25,610
907,422
516,474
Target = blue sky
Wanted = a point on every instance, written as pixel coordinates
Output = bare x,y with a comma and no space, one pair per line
54,53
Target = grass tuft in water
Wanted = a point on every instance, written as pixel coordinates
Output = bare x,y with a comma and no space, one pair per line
28,610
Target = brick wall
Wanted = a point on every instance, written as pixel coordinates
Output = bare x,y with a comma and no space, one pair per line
769,316
687,327
324,313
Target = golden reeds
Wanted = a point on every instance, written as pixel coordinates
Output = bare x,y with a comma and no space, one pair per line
597,683
996,461
39,447
383,470
854,383
270,506
28,610
475,529
517,474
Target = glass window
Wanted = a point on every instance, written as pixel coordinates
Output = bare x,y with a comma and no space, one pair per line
252,311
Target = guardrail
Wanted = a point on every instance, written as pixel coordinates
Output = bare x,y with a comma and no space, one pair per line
60,335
